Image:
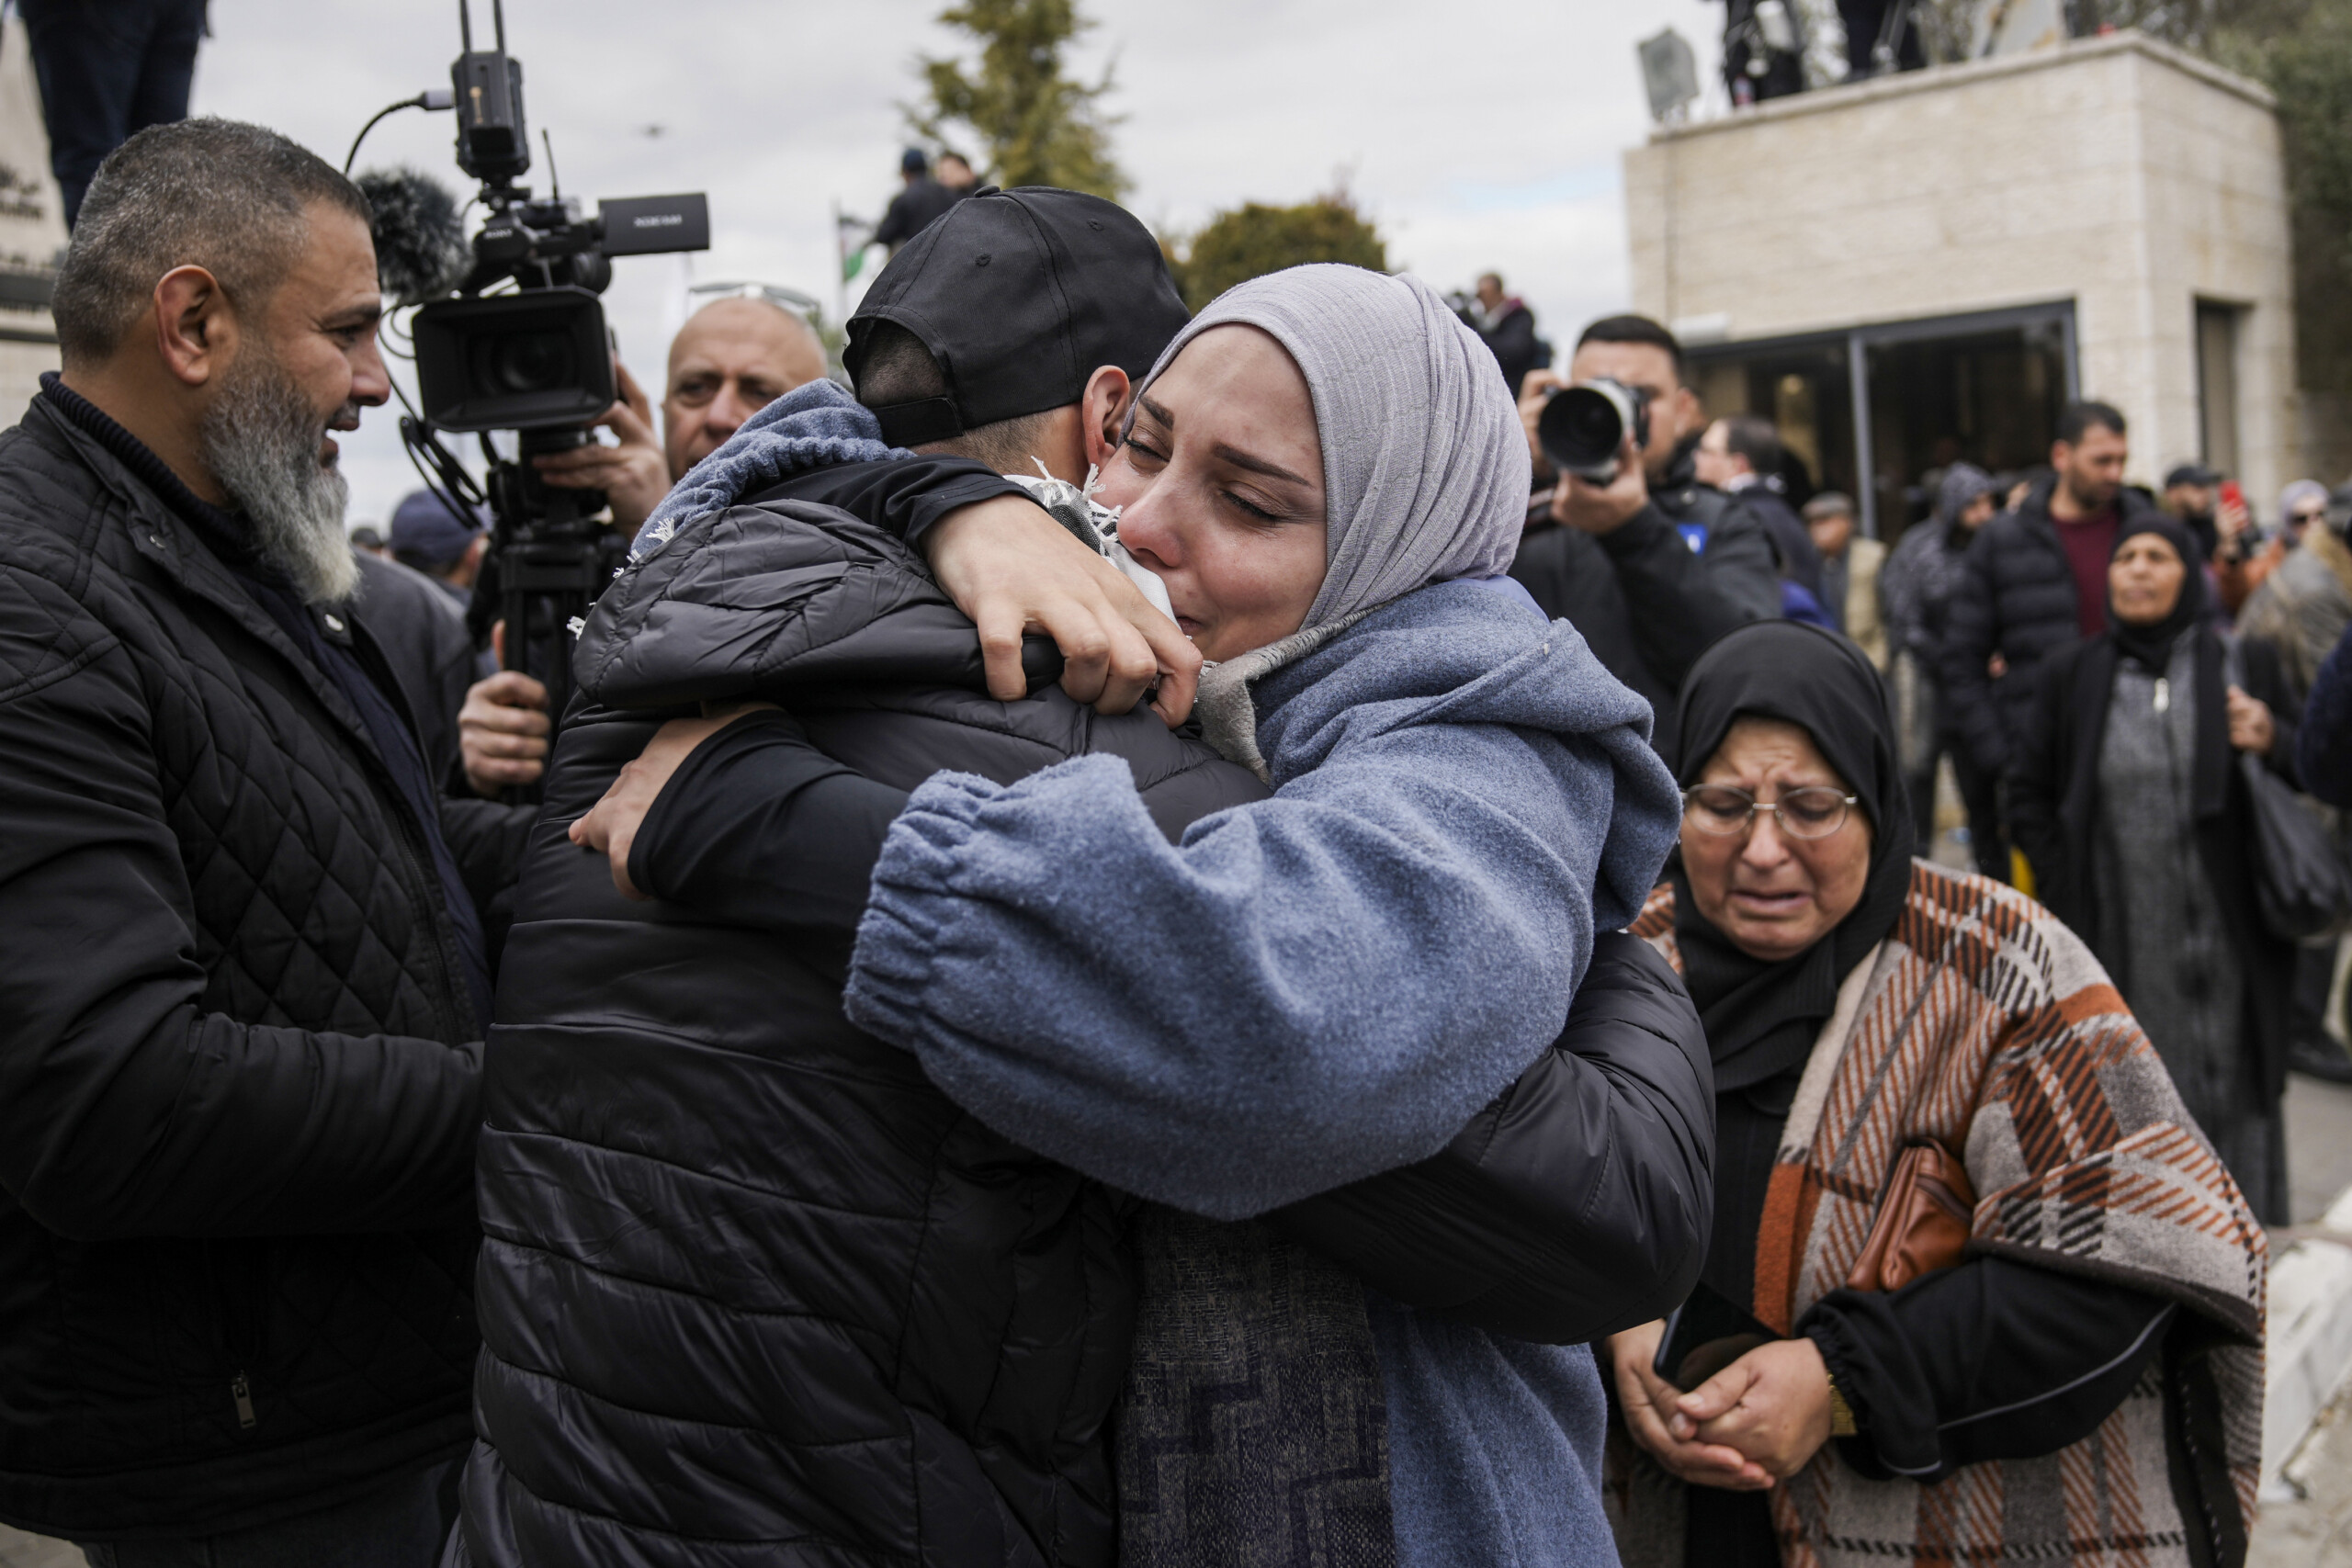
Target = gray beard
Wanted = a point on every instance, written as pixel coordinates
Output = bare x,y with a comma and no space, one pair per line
260,438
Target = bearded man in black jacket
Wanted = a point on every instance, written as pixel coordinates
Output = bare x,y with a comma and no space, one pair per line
244,974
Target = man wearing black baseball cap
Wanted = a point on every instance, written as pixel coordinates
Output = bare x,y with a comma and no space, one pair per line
993,326
1013,332
750,1282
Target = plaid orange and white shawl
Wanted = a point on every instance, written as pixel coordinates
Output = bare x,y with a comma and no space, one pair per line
2084,1160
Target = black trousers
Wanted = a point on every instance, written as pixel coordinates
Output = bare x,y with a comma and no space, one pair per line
106,69
1979,792
1864,20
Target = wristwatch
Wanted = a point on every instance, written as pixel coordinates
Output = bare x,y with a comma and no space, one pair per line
1842,1415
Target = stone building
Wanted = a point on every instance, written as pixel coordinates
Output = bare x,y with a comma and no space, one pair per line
1928,266
32,228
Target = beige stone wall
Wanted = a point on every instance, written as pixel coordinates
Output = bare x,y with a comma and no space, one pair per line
2116,171
33,221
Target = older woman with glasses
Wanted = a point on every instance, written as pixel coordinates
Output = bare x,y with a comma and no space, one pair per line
1977,1287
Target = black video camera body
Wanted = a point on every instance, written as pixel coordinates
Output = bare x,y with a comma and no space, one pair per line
536,358
1583,426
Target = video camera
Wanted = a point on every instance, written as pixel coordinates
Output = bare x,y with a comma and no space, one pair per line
535,359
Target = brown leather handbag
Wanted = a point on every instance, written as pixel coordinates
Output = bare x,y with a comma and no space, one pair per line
1924,1219
1927,1210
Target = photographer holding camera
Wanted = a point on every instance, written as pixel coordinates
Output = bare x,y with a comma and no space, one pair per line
1650,565
733,358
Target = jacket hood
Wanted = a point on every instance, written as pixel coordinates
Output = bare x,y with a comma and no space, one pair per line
1477,651
812,426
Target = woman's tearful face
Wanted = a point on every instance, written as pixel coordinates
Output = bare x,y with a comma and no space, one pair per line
1772,893
1220,486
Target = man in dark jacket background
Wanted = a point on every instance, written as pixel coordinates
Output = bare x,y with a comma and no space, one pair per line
1656,565
1740,455
914,208
1507,327
1917,586
244,974
2034,581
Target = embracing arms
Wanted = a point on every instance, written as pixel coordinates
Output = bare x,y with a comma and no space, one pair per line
1575,1202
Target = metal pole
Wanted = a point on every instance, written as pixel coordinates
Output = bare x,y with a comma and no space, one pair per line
2074,364
1857,381
841,270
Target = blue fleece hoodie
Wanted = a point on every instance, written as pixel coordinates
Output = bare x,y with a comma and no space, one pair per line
1311,989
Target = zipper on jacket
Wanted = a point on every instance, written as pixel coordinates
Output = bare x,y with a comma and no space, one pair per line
240,1388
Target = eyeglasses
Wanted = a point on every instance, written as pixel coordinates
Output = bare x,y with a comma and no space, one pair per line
2318,514
1814,811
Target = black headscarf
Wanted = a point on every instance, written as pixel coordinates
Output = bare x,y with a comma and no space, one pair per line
2150,647
1761,1017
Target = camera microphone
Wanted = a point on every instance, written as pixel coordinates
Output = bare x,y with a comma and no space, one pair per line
421,248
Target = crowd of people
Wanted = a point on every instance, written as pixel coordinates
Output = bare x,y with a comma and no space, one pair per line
1149,941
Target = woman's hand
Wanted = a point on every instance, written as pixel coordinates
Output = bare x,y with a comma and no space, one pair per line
1771,1406
610,827
1013,568
1650,1403
2251,728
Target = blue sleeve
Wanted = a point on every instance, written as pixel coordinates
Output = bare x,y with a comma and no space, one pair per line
1303,992
2323,750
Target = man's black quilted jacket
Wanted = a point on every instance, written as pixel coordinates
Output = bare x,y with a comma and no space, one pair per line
238,1092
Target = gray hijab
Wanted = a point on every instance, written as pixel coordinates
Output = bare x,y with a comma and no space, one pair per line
1425,464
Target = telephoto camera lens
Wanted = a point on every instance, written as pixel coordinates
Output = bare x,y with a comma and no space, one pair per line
1583,426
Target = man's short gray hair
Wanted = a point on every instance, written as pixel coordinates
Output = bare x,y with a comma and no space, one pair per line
897,369
229,197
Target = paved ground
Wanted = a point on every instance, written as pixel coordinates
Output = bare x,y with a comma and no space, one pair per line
2319,1144
2317,1531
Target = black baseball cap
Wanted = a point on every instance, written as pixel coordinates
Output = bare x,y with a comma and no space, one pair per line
1020,294
2191,474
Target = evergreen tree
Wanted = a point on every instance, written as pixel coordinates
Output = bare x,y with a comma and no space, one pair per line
1253,240
1035,126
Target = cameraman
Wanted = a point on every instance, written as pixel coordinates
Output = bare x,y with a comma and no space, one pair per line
733,358
1654,566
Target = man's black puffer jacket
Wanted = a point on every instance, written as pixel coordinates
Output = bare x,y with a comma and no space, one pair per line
238,1101
752,1289
2015,598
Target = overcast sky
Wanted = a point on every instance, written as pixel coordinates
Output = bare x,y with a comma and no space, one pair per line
1475,136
